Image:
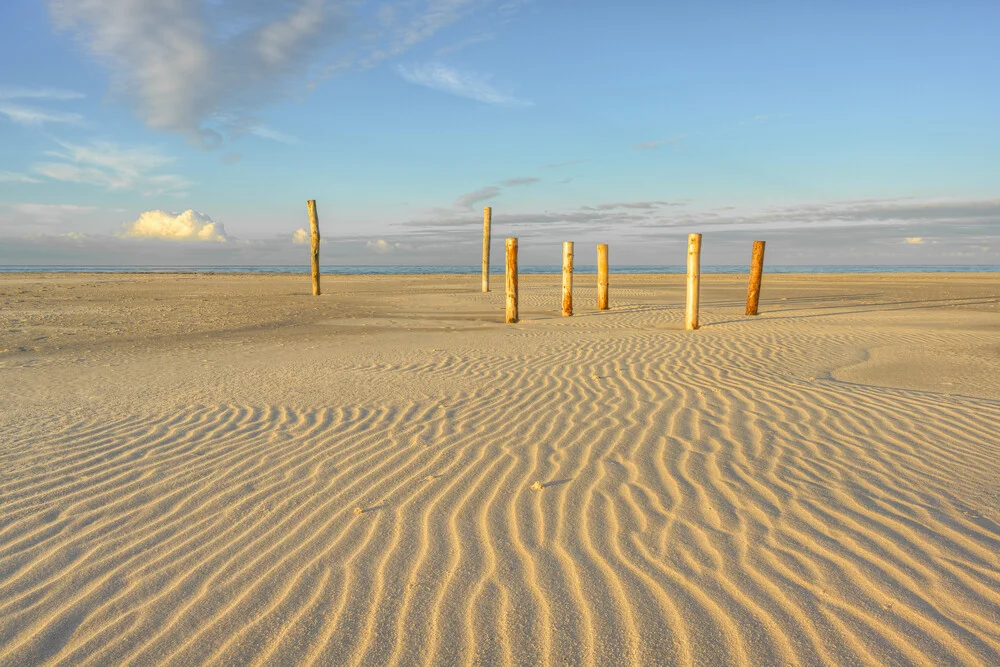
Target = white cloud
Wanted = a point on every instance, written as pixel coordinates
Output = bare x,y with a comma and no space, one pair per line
112,166
300,236
447,79
184,61
914,240
23,115
29,115
267,133
400,32
241,125
8,93
382,246
186,226
11,177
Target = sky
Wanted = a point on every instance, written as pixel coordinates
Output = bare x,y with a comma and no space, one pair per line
164,132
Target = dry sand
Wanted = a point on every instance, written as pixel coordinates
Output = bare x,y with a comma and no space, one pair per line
227,470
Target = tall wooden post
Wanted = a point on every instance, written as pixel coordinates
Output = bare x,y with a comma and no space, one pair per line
487,215
756,270
693,281
567,285
314,236
602,276
511,281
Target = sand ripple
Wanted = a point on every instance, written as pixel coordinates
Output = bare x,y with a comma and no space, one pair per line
698,507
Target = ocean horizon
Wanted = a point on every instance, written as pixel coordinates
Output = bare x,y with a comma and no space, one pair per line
471,269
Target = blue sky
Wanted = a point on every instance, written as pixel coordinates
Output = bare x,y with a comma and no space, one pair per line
841,132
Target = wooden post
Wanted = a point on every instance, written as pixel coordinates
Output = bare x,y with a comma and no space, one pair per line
314,235
602,276
567,287
511,281
487,215
693,281
756,270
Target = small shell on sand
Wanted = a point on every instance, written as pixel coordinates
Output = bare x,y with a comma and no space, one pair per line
537,486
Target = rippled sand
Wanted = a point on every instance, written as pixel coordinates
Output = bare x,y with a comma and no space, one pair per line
227,470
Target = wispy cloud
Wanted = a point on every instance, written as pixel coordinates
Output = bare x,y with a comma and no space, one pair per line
13,108
405,24
24,115
482,194
914,240
112,166
184,61
274,135
237,126
449,80
57,94
11,177
555,165
669,141
464,44
520,180
640,205
466,201
643,221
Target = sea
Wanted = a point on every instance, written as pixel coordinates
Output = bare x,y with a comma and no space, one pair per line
524,270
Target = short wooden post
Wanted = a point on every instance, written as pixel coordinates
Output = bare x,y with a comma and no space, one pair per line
693,281
756,270
602,276
511,281
314,235
567,285
487,215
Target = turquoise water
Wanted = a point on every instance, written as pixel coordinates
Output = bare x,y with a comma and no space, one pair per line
397,270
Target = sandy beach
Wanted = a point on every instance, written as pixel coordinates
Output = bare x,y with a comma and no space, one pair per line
224,469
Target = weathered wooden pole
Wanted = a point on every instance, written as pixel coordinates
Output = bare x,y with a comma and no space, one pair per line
511,281
602,276
314,235
487,215
567,286
756,270
693,281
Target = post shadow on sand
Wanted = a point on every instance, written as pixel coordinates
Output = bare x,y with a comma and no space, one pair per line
374,508
874,308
